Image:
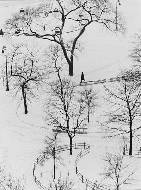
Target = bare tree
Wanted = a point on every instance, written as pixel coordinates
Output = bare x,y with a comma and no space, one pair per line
65,110
26,74
89,97
64,22
124,117
117,171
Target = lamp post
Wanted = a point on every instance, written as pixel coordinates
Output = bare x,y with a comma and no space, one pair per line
6,68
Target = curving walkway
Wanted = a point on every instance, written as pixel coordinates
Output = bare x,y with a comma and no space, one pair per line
85,149
89,184
48,154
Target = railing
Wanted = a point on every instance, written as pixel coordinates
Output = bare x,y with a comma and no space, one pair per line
100,81
77,131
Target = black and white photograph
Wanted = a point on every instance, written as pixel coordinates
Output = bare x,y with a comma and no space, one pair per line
70,95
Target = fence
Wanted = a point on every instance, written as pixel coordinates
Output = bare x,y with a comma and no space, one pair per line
48,154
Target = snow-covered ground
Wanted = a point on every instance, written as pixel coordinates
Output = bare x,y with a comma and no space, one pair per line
22,137
22,140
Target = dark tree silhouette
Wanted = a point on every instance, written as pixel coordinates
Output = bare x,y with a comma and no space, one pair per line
125,98
118,171
26,75
64,22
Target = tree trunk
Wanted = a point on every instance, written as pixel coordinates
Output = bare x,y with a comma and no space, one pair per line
54,167
88,116
25,104
131,140
131,144
70,145
117,183
71,69
117,187
7,84
24,99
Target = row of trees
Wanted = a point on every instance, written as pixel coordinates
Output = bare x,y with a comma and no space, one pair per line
69,21
68,107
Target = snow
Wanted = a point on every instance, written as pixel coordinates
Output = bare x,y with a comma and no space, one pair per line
22,137
21,141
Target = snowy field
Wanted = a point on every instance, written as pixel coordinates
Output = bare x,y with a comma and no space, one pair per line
22,136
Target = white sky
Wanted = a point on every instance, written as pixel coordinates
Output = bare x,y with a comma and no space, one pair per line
104,54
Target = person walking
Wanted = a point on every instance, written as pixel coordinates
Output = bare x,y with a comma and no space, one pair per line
82,77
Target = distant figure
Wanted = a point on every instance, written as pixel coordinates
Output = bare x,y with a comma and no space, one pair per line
22,10
1,32
82,77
